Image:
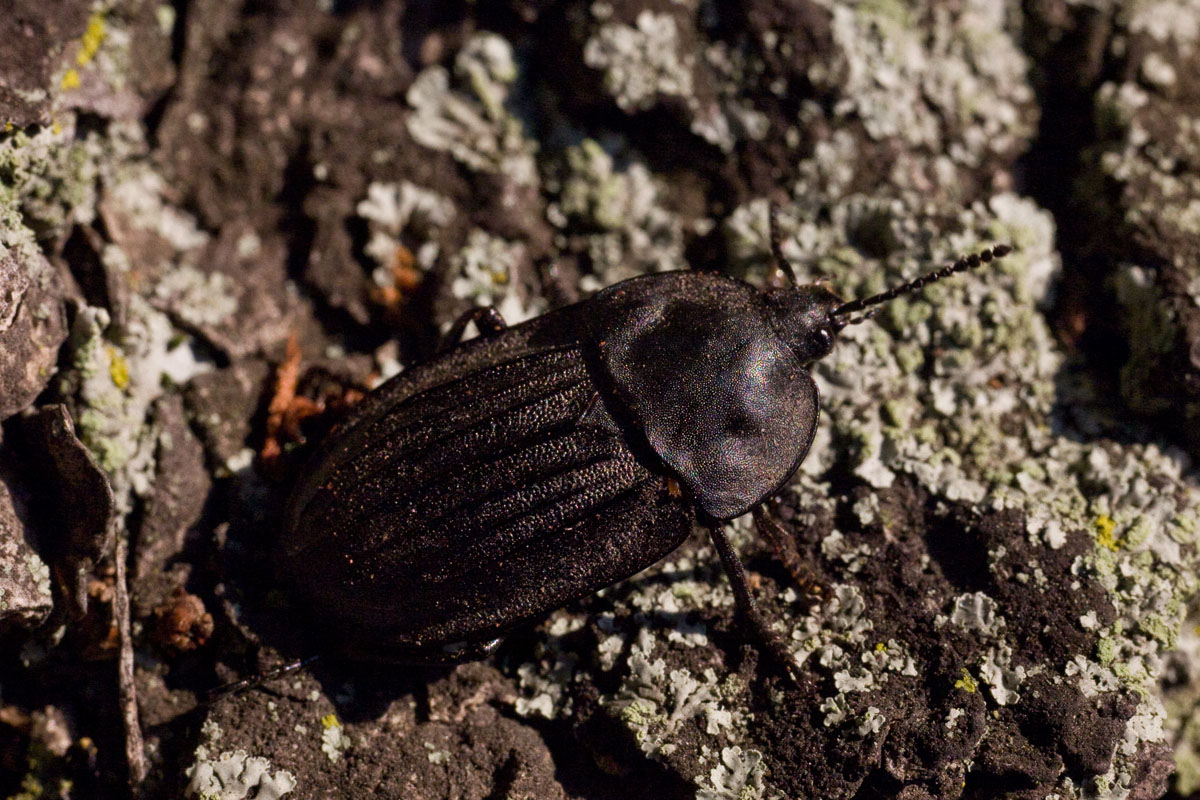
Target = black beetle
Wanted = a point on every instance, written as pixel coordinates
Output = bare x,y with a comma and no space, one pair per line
536,464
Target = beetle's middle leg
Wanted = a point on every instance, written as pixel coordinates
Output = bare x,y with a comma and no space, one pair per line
747,607
487,321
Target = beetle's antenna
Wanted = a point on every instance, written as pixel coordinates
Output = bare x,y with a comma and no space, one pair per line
781,262
962,265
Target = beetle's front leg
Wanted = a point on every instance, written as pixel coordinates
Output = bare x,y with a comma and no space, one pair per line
747,608
785,550
487,321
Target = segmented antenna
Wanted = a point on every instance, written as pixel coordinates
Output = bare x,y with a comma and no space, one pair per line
962,265
781,263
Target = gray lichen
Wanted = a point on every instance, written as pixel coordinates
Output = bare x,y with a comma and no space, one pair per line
334,739
657,703
485,272
233,775
641,61
998,362
395,209
737,776
466,115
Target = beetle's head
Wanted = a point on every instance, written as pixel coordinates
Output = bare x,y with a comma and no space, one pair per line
804,318
811,316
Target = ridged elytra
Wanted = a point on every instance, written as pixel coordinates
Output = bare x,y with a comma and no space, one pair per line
539,463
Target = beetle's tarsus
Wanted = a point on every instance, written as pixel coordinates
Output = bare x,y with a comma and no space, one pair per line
487,321
770,640
781,262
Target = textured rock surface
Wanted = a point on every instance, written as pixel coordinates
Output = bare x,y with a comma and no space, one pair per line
32,326
996,525
24,578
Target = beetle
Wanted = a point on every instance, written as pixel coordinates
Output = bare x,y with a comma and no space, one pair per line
536,464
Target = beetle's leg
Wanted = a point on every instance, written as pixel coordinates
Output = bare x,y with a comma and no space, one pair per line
438,655
259,679
785,549
487,321
767,637
781,262
470,651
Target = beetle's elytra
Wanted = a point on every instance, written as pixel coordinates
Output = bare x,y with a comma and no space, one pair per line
536,464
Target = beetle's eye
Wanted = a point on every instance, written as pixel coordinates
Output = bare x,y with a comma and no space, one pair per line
824,339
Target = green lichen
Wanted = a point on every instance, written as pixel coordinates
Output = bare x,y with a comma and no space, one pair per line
971,424
610,197
47,181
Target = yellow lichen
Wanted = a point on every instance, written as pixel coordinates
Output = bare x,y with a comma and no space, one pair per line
1105,526
70,80
330,721
92,37
118,369
966,682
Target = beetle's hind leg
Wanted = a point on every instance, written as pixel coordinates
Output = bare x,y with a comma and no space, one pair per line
487,321
769,638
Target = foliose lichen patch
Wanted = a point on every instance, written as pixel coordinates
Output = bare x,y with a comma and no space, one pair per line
617,203
979,428
464,112
233,775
